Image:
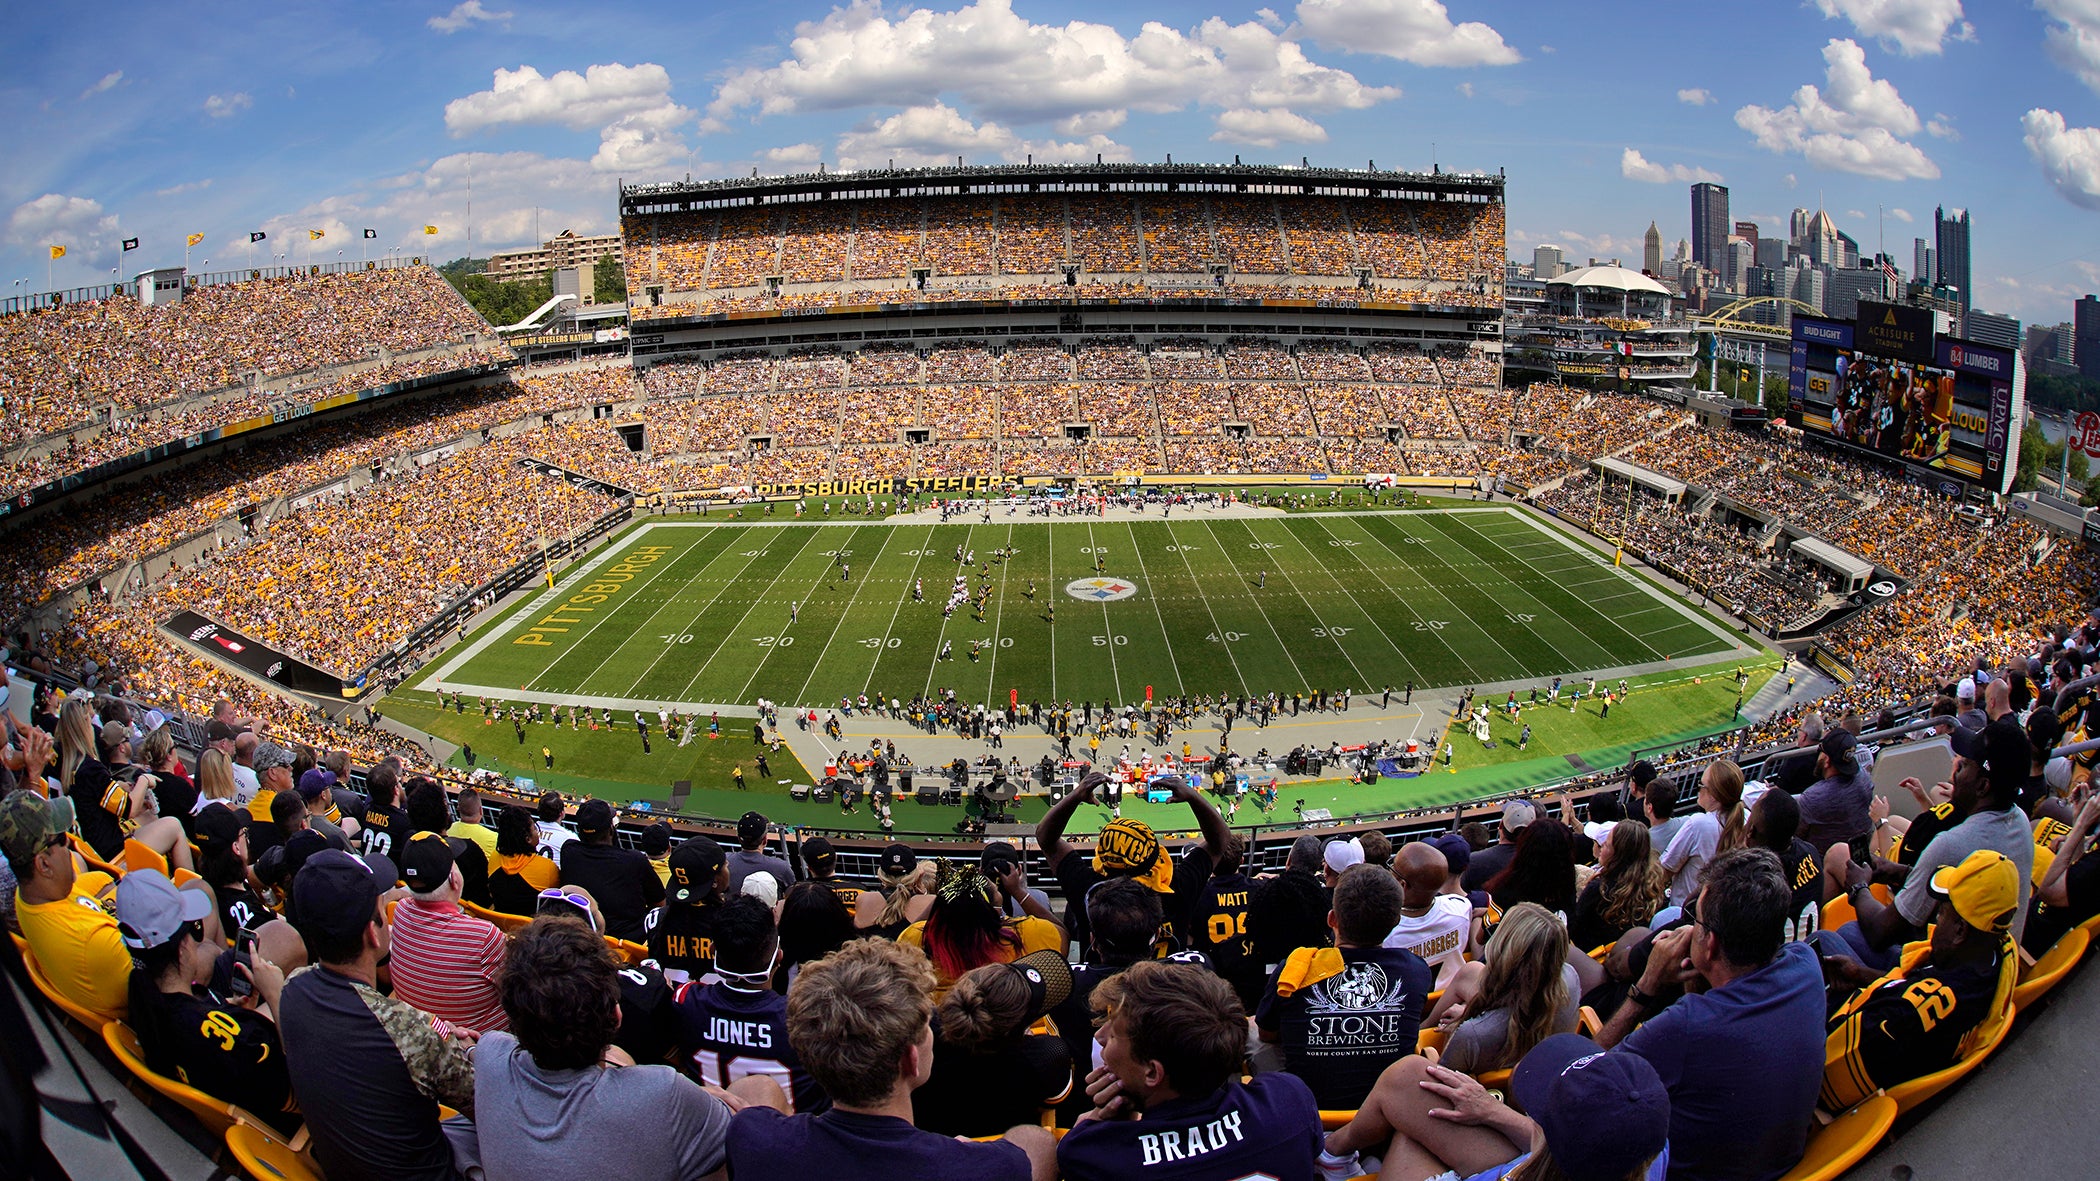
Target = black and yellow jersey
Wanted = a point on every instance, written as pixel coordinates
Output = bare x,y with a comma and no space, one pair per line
1218,928
1918,1019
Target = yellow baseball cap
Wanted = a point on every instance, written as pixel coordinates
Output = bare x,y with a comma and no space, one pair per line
1984,888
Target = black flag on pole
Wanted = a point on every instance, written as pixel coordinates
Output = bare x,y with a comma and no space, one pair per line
371,233
256,236
131,243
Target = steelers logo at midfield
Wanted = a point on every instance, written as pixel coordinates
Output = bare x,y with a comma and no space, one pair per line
1101,590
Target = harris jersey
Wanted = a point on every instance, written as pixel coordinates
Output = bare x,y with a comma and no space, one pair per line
1918,1019
726,1033
1218,928
681,940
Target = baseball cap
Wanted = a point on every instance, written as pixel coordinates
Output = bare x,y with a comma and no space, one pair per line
1000,854
216,827
1127,848
151,911
1457,853
114,734
1603,1114
300,846
761,886
335,895
751,827
2001,748
594,817
1598,831
897,860
1049,980
1965,690
1517,815
1342,854
218,731
270,755
426,862
1984,888
316,781
28,821
694,865
656,839
2057,775
820,857
1837,746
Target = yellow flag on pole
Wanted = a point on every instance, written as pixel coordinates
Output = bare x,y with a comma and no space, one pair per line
58,252
195,238
430,229
312,235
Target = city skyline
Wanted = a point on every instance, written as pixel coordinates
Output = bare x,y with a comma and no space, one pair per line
291,120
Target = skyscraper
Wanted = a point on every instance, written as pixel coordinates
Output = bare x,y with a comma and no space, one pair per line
1924,262
1710,226
1652,250
1797,226
2085,336
1952,239
1546,262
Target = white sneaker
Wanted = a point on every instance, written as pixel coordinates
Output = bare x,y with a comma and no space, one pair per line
1339,1168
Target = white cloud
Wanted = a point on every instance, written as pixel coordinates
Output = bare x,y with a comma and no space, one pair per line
1417,31
77,223
1910,27
1855,123
106,83
925,136
1902,215
629,106
794,156
1634,166
511,192
1465,89
463,15
2073,41
984,59
1941,126
1091,122
2069,156
1697,96
220,106
1266,129
1790,180
195,186
1856,214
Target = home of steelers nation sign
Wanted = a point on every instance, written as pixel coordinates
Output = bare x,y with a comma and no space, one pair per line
1101,590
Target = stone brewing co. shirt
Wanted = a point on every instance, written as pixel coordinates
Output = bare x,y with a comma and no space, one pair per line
1270,1126
1345,1015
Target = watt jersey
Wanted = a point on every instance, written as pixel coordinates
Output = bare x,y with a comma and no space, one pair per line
1218,928
730,1033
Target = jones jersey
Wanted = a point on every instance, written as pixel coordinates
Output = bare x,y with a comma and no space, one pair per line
729,1033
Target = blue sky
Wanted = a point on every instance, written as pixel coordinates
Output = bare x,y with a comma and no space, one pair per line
156,121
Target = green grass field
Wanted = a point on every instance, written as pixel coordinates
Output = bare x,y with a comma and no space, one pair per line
693,613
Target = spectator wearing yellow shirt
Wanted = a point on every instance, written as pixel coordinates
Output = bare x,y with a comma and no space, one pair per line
469,826
61,910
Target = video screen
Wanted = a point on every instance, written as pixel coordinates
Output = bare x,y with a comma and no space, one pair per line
1894,407
1953,415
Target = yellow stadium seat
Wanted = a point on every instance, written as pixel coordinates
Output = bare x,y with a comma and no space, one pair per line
2091,927
138,856
87,854
1495,1080
267,1158
1837,912
1845,1141
1918,1090
2045,973
1588,1021
628,951
1331,1120
1431,1039
504,922
85,1016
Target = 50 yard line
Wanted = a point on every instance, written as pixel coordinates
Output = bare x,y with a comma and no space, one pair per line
1114,673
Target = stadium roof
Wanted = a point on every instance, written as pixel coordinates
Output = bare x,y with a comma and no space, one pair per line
1613,278
1666,485
675,196
1826,554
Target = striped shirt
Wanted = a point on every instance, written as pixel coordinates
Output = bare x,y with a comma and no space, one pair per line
445,961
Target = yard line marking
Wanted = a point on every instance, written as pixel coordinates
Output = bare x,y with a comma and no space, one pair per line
1216,628
1284,569
800,694
1006,565
1173,661
1375,622
897,610
1541,603
1287,655
1437,589
650,622
1113,673
702,612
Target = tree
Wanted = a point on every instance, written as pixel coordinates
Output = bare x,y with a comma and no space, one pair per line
2033,454
1777,399
609,280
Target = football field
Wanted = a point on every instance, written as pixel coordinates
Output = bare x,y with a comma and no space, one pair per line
697,613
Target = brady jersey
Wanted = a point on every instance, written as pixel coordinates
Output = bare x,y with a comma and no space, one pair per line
727,1033
1266,1127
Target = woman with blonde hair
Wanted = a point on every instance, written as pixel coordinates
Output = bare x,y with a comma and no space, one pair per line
989,1072
1523,993
905,898
215,783
175,791
1625,892
1721,825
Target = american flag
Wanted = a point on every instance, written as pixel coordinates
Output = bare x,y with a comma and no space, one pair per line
1889,269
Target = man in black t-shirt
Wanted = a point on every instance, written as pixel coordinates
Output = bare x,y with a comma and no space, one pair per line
429,811
2069,892
1128,848
821,861
620,879
1289,910
1345,1013
1218,924
385,823
681,932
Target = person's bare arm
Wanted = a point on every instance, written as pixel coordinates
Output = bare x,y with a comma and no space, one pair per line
1669,968
1050,830
1212,823
2055,887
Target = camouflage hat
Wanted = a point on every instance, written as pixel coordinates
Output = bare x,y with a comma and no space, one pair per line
270,756
28,821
